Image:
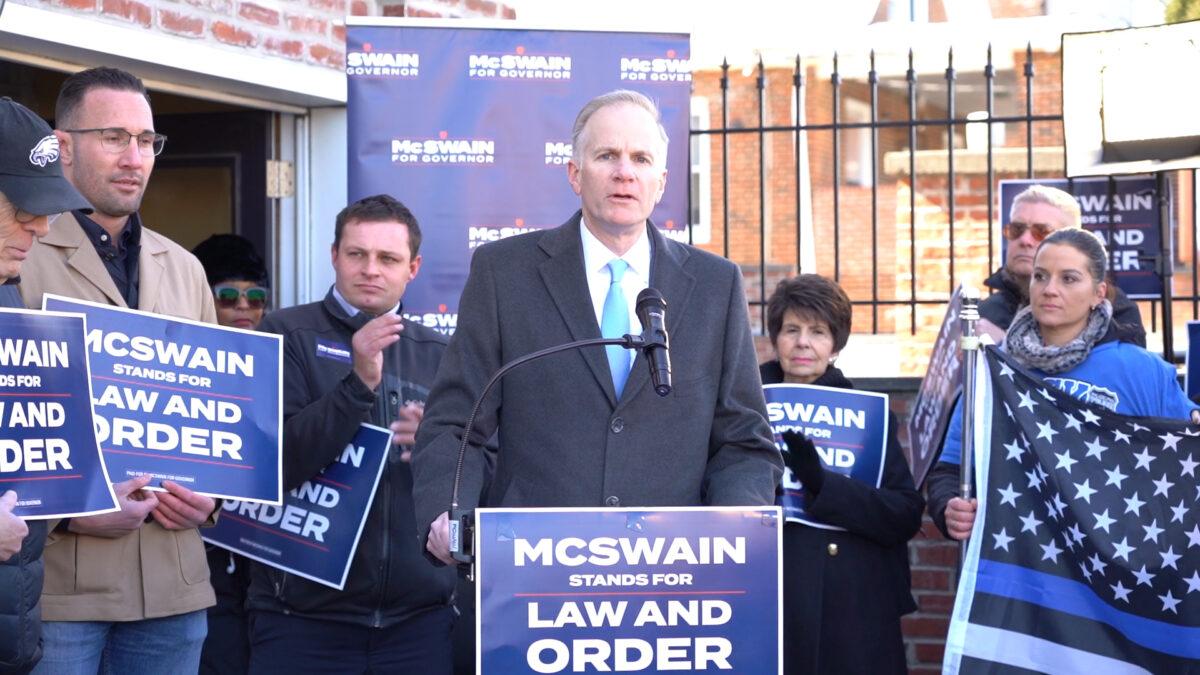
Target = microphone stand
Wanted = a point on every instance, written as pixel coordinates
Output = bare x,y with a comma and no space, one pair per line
462,522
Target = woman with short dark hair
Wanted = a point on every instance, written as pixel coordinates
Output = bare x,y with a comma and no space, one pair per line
844,592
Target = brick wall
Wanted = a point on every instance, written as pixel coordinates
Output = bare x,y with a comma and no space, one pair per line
310,31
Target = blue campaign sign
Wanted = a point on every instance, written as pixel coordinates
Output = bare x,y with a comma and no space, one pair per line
315,532
1123,211
1191,376
848,427
470,127
629,590
185,401
48,453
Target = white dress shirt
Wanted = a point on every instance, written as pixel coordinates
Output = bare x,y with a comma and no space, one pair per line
596,257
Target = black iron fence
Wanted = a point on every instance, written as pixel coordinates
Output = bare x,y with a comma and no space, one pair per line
930,102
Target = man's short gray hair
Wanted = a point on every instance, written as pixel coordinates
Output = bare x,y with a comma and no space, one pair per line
1042,194
616,97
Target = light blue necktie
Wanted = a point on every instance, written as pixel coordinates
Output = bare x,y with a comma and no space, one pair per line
614,322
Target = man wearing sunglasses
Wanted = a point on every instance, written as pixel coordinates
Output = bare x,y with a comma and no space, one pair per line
32,192
125,591
1035,213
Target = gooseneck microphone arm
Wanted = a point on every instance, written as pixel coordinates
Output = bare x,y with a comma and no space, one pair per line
460,522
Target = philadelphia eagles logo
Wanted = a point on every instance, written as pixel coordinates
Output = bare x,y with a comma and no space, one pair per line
45,152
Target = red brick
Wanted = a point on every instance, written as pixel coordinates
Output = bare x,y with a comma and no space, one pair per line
925,626
338,33
935,603
327,56
393,10
258,14
129,10
299,23
336,6
232,35
83,5
488,8
178,23
359,8
931,579
509,13
929,652
936,553
293,49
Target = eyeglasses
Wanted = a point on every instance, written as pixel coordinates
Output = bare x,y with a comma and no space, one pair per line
227,296
115,140
1016,228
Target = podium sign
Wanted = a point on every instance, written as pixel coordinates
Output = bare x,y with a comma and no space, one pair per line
629,590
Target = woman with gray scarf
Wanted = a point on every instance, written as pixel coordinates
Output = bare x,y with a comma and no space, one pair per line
1067,336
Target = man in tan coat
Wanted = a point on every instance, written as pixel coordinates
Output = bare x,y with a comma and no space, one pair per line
125,592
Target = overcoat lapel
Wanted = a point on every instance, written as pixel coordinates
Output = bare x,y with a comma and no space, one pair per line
68,234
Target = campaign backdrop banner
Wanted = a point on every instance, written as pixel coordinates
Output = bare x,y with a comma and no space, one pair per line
940,389
48,452
470,127
629,590
185,401
848,427
315,532
1191,376
1123,211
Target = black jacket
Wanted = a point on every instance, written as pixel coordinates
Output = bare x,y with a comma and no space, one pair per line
21,578
1000,307
324,404
844,592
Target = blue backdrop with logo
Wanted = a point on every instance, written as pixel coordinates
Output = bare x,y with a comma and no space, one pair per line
471,129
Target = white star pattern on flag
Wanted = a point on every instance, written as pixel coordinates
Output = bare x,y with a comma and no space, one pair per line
1065,461
1123,549
1088,501
1134,504
1030,524
1095,449
1046,431
1026,401
1170,441
1169,602
1002,539
1152,531
1193,583
1144,458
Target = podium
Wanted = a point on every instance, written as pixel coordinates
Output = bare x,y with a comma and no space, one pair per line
686,589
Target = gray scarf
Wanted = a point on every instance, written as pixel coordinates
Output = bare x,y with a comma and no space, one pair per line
1024,341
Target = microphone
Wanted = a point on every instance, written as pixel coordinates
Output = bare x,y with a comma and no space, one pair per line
652,312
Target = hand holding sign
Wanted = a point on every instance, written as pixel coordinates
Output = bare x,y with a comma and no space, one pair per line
802,459
12,528
368,344
181,509
135,506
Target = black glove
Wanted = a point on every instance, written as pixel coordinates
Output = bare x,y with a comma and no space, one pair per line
802,459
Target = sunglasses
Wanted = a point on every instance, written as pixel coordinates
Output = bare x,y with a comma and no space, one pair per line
1015,229
227,296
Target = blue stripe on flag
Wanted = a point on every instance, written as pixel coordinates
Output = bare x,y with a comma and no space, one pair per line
1072,597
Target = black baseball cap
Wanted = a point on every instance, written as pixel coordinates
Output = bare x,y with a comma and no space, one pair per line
30,174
